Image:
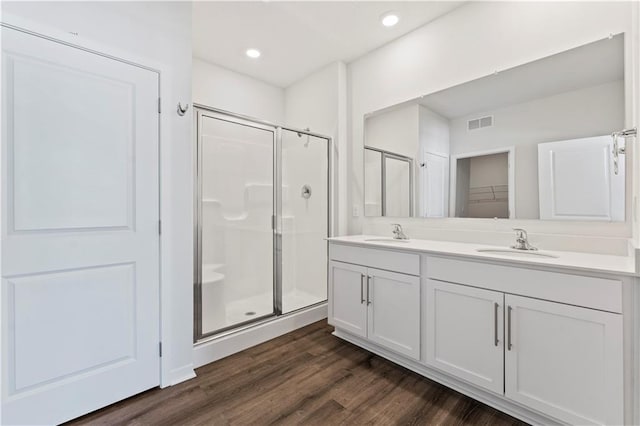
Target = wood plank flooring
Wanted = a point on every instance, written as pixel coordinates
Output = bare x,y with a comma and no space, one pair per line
305,377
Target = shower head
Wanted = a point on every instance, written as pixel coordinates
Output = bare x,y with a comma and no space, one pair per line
306,144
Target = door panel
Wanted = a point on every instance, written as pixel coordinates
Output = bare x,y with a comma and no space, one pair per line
565,361
348,297
305,220
394,311
464,333
80,284
577,181
236,207
435,185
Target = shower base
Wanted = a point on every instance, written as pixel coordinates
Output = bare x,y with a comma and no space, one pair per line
216,316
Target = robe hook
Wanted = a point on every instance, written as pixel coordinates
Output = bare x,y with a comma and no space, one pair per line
182,110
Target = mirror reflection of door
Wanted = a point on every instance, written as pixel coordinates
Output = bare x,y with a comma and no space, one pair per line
569,96
435,185
397,189
579,181
388,184
373,182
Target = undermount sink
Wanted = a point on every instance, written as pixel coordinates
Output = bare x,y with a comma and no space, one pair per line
385,240
515,253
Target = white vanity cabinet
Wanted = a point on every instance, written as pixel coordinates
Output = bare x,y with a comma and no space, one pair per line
564,360
543,344
380,305
348,298
560,359
464,333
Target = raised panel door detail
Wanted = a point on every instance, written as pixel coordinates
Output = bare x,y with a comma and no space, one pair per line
577,180
55,338
565,361
348,297
465,333
394,311
70,146
80,212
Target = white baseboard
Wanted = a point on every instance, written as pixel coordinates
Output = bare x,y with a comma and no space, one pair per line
213,350
179,375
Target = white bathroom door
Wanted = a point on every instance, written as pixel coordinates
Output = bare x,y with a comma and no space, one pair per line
577,181
80,260
435,184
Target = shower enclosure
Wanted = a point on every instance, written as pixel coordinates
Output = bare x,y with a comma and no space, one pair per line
262,217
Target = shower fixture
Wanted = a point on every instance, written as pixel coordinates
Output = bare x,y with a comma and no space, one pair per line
306,144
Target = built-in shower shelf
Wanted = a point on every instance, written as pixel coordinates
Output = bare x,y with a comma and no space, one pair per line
211,273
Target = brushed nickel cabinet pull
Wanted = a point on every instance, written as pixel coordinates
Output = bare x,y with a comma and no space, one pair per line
509,328
361,289
496,306
368,289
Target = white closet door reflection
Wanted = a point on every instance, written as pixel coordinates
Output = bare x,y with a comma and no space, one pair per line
305,221
236,178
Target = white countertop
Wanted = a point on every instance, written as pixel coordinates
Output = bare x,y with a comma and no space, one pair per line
621,265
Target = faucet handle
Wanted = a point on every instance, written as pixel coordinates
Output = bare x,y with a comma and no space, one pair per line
521,232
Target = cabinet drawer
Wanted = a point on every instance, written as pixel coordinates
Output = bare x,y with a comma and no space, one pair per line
591,292
406,263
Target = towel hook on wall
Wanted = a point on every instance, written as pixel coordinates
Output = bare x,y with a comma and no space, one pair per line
617,149
182,110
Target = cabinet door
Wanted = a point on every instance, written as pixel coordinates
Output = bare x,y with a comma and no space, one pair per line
394,311
465,332
347,304
564,361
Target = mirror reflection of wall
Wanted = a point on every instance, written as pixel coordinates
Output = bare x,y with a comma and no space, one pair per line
561,98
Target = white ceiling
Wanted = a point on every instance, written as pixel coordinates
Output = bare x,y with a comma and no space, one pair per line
585,66
299,37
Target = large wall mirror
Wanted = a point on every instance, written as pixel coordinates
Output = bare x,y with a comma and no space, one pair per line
531,142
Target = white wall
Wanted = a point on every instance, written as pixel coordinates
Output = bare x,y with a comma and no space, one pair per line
218,87
395,130
470,42
592,111
158,35
434,132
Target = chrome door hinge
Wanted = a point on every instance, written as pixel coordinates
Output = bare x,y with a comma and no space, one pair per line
159,227
159,105
160,349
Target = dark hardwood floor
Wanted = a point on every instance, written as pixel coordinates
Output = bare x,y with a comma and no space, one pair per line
305,377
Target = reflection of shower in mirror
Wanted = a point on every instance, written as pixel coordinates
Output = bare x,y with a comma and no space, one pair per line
306,144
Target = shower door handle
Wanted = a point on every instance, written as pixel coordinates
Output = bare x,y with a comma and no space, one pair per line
362,288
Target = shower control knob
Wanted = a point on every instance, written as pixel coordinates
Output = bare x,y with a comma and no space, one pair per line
305,192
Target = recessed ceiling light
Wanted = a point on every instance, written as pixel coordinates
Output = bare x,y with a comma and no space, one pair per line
253,53
389,19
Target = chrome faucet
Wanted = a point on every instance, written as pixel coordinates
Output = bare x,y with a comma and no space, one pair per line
398,234
522,240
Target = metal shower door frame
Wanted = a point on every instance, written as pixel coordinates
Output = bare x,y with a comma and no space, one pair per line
276,218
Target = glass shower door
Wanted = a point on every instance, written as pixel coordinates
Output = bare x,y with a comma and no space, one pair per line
235,262
304,219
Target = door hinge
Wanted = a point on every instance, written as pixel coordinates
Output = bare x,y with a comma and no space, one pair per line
273,222
159,105
160,349
159,227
